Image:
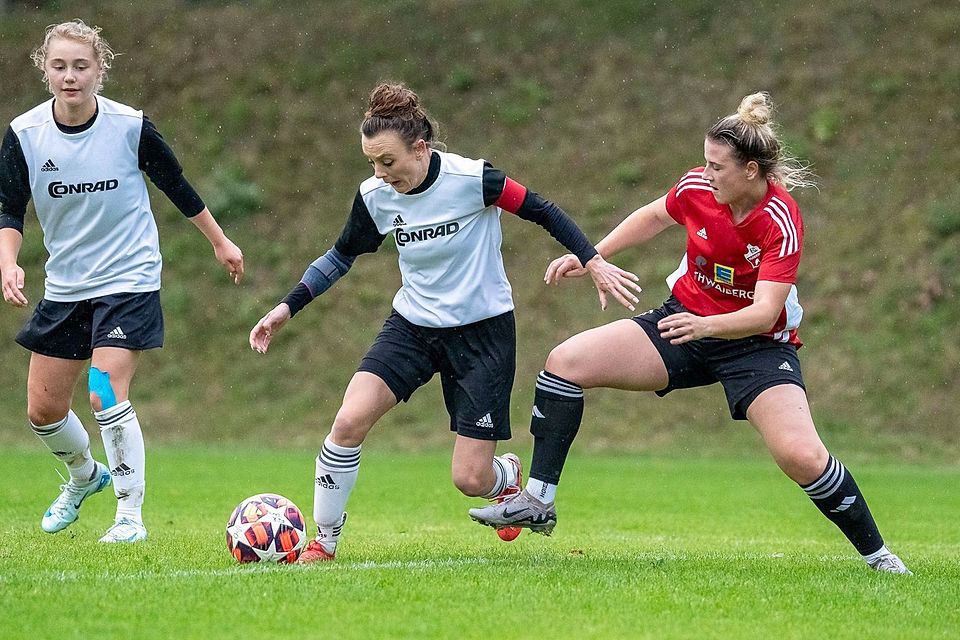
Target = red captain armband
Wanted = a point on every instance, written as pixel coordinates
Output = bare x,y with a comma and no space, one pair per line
512,197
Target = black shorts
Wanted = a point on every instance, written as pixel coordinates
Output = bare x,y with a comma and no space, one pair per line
72,330
476,363
745,366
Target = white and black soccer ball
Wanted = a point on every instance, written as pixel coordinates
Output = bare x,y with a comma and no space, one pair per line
266,528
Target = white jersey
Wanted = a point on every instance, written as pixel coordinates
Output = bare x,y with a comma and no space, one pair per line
449,245
92,203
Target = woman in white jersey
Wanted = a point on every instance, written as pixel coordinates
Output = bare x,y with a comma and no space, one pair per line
732,318
79,156
453,314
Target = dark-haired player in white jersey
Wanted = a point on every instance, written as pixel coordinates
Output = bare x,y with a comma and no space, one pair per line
79,156
453,314
732,318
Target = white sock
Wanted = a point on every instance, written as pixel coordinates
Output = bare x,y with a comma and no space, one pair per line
506,475
542,491
70,443
123,442
337,469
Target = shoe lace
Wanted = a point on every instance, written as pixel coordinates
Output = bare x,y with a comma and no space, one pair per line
509,493
70,494
124,527
888,563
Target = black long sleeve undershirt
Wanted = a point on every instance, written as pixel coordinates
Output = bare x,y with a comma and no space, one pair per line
543,212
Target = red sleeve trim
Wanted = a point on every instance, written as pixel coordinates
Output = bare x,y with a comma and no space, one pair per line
512,196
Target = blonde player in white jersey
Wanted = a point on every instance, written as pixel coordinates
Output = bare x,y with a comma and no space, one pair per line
453,314
79,156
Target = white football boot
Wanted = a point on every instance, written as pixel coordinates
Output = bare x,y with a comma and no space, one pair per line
519,510
125,530
890,563
64,510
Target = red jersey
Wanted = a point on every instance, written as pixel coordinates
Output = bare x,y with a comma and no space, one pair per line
719,272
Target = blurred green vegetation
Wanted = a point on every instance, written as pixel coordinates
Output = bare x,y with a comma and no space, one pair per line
599,106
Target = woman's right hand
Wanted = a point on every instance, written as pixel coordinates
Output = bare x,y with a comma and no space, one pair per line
567,266
12,279
269,324
608,278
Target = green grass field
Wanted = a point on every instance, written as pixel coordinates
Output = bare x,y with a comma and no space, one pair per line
645,547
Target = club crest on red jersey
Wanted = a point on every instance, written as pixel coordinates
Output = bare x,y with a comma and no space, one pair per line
752,255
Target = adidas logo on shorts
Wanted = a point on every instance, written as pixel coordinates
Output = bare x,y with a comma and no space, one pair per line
785,366
486,422
117,334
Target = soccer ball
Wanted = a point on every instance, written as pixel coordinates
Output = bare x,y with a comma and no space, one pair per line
266,528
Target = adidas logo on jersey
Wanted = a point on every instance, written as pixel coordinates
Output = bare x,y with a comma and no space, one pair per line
121,470
117,334
785,366
486,422
49,166
702,233
326,481
398,221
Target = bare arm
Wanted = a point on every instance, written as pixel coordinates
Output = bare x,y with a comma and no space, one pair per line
227,253
10,272
756,319
640,226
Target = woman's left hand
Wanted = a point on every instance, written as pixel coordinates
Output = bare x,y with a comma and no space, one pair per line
611,279
683,327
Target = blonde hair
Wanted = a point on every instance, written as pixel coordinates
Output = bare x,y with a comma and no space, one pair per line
752,135
79,31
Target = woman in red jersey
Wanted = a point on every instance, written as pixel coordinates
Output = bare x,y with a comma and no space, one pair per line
732,318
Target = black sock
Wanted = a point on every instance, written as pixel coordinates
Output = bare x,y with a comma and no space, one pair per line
557,411
838,497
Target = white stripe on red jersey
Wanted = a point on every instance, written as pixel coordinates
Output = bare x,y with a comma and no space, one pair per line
693,180
781,215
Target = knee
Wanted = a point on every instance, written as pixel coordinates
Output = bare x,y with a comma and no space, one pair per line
471,482
563,361
804,465
102,395
41,415
349,428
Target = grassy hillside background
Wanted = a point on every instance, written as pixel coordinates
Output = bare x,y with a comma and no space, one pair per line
600,106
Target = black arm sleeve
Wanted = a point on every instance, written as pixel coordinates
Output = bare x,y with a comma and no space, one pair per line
537,209
14,183
561,226
158,161
299,297
493,182
360,235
